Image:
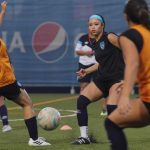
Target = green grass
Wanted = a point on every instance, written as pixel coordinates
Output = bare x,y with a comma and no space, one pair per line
17,139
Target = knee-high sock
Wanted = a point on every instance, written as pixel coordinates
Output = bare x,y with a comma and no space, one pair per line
4,115
32,127
82,114
111,108
115,135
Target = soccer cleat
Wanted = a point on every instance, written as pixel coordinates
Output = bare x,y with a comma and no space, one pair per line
42,138
81,140
6,128
93,138
39,142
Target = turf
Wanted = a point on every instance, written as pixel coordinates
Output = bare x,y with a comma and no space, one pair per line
17,139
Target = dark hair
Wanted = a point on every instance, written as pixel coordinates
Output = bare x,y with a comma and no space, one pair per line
138,12
101,18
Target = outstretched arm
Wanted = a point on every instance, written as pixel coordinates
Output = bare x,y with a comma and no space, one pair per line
83,72
3,10
85,53
92,68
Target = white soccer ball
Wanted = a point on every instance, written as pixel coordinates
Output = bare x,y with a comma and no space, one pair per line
49,118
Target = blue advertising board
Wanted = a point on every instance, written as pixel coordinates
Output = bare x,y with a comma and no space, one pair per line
40,35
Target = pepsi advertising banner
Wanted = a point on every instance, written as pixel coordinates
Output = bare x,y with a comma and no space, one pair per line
41,34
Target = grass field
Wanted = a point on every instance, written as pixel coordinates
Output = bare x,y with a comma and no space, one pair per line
17,139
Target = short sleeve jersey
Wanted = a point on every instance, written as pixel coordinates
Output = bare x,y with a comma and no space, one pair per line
110,59
85,44
6,72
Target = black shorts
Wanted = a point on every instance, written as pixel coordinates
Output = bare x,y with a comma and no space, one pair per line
89,77
11,91
147,105
105,85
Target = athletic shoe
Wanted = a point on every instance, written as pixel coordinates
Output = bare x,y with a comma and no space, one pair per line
93,138
6,128
42,138
81,140
39,142
104,113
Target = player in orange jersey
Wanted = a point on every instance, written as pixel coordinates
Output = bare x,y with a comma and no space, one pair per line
3,108
10,89
136,49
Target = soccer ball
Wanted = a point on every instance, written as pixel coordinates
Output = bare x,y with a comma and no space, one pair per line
48,118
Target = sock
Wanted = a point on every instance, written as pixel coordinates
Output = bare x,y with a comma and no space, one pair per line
111,108
4,115
32,127
84,131
115,135
82,115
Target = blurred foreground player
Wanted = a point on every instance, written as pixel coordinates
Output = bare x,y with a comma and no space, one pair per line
135,43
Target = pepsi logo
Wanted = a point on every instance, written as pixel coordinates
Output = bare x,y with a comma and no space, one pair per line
50,42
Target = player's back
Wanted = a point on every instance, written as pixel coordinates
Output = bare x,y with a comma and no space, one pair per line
144,70
6,72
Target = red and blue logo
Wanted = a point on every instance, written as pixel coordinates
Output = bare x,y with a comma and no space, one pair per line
50,42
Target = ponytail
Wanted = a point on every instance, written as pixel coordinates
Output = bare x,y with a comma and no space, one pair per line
138,12
144,18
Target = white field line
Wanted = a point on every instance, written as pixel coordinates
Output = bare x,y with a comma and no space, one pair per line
49,102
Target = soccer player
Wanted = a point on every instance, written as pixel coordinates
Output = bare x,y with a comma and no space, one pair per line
4,116
84,50
10,89
3,108
135,43
110,68
86,58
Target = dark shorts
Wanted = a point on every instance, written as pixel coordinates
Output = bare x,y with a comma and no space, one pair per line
89,77
11,91
105,85
147,105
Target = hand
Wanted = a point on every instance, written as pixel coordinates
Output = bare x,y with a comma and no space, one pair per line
90,53
114,92
124,106
81,73
4,6
116,88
